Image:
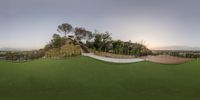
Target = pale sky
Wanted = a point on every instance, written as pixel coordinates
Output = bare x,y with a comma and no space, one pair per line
31,23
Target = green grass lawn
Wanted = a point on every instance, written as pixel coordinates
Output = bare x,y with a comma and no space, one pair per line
82,78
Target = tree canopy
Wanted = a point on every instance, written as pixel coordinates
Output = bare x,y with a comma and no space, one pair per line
65,28
101,41
82,33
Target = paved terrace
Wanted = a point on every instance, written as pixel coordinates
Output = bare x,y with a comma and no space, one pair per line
113,60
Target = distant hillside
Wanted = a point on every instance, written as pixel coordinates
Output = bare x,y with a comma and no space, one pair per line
177,48
14,49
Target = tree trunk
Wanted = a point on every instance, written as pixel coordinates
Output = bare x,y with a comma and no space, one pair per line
65,34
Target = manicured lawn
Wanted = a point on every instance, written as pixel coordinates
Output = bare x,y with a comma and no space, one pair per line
82,78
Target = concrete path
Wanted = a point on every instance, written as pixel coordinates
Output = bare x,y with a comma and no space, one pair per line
113,60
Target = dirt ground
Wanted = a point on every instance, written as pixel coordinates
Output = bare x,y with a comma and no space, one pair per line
166,59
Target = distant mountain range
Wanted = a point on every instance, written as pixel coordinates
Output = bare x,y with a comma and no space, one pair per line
177,48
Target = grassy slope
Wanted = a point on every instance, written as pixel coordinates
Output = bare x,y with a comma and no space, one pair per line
82,78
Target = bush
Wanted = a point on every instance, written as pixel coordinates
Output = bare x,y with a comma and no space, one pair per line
67,50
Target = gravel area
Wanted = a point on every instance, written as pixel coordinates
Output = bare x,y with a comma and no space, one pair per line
166,59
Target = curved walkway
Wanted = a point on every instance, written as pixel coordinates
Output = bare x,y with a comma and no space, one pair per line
113,60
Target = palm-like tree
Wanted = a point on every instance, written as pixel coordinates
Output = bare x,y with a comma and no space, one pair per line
65,28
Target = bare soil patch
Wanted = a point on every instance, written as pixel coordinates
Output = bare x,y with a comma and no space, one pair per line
166,59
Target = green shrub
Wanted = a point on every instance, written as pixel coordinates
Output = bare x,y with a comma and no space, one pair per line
67,50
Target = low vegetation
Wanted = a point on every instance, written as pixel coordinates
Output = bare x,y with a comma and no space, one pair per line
20,56
66,50
83,78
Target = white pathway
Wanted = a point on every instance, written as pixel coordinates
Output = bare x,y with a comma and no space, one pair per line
113,60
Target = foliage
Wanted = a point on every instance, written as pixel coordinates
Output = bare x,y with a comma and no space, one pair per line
24,55
56,42
119,47
66,50
65,28
97,41
83,34
60,47
101,40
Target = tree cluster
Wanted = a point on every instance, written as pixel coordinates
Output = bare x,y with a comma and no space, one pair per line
96,41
